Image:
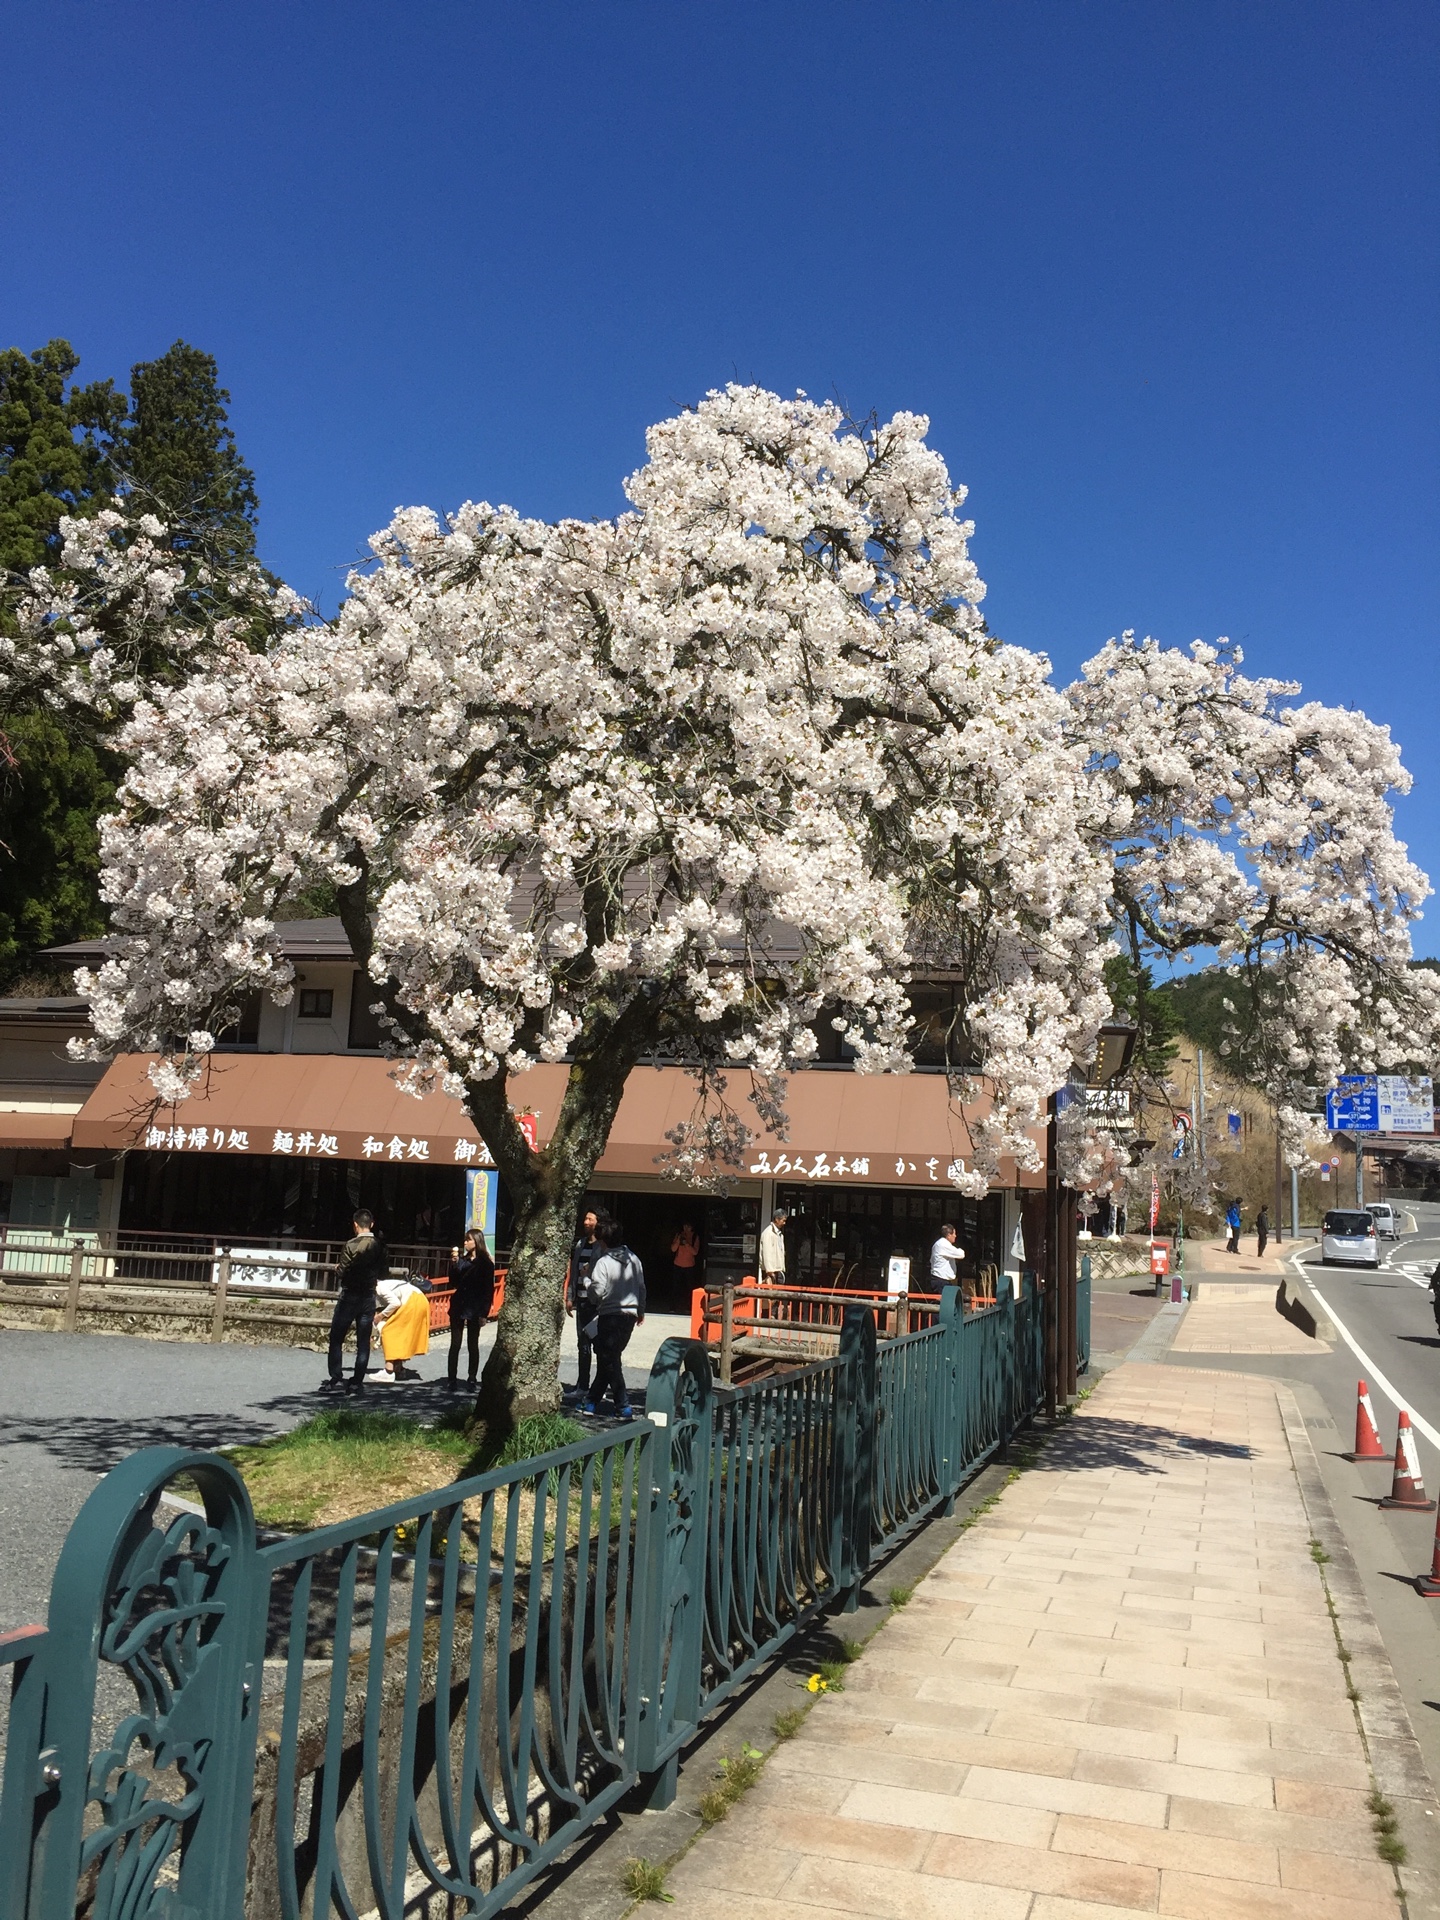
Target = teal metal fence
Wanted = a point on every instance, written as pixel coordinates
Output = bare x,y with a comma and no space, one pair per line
415,1711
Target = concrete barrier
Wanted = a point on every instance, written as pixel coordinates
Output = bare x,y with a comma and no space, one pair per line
1294,1302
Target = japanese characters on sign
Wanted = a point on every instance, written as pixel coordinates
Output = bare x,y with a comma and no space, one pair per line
199,1140
821,1167
302,1143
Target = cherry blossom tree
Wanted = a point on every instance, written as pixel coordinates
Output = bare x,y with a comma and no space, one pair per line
686,782
692,781
1261,829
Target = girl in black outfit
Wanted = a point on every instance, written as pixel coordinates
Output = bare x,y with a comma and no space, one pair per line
472,1275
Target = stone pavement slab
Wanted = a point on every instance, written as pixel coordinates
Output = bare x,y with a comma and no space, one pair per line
1119,1692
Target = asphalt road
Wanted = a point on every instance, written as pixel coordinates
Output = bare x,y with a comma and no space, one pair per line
1392,1343
74,1404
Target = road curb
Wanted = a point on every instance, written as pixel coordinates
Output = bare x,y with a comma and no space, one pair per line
1394,1753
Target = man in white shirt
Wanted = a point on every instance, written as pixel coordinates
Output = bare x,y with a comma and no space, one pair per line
772,1249
945,1257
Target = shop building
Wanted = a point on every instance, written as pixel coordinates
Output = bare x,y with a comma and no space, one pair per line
297,1122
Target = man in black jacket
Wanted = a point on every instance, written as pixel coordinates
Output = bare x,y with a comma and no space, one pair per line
586,1251
364,1262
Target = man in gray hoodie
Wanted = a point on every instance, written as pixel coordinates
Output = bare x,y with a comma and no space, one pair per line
617,1294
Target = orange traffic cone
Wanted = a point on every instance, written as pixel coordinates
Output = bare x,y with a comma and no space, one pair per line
1367,1434
1427,1585
1407,1489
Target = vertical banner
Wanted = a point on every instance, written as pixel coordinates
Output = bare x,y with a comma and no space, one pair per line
482,1197
1154,1202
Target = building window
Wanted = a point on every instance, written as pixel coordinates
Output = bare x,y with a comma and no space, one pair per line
246,1031
316,1003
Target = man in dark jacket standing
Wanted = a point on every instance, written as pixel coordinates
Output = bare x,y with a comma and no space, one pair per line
364,1262
1262,1230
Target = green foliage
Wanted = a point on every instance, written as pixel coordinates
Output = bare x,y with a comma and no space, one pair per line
900,1596
643,1880
738,1773
536,1433
64,450
178,452
50,798
56,446
1197,1005
1136,998
789,1723
349,1458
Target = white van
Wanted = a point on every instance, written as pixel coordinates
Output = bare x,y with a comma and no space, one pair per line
1349,1237
1384,1217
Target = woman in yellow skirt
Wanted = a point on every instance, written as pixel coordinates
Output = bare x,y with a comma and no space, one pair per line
404,1324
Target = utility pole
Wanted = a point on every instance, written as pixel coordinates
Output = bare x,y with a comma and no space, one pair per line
1359,1172
1200,1115
1294,1203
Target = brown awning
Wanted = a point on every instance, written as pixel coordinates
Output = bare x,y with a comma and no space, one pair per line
881,1129
309,1105
35,1129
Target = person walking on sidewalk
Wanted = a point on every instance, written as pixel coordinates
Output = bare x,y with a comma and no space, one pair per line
617,1288
472,1275
364,1262
1435,1296
586,1251
1262,1230
1232,1227
772,1249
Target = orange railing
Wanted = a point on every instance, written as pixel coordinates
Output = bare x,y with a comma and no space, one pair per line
766,1322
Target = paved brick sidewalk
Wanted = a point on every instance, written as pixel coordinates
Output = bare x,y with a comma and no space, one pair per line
1118,1692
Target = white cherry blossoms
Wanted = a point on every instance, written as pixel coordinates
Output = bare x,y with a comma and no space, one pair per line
1262,830
686,783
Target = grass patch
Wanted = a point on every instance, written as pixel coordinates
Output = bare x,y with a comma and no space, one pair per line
850,1650
342,1463
788,1724
536,1433
1318,1553
738,1773
900,1596
1388,1843
831,1675
348,1460
643,1880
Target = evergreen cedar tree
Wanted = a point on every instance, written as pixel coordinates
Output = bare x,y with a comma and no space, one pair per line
64,450
569,782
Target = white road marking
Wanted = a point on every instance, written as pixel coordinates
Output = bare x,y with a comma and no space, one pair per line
1372,1372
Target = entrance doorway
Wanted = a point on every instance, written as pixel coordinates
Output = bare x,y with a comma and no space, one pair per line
649,1223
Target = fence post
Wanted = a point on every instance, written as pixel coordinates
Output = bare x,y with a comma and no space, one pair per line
194,1662
902,1313
27,1780
857,1441
72,1295
951,1412
727,1334
672,1552
222,1288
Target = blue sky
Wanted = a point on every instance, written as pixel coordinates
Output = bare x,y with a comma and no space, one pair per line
1163,276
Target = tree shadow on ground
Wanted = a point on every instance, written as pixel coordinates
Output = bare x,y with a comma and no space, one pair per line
1420,1339
1130,1445
95,1443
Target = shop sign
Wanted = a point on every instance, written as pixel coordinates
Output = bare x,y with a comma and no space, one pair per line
822,1167
303,1144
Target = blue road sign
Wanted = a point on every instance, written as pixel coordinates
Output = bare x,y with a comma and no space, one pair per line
1353,1104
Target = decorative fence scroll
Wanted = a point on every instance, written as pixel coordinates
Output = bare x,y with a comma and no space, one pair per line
414,1712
